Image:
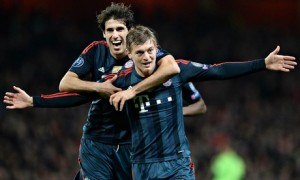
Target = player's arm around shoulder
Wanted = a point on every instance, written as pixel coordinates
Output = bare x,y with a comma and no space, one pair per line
72,83
167,68
169,64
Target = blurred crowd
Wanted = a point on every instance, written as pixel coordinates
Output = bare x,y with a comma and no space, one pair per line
259,113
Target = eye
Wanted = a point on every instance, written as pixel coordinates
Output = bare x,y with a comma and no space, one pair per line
150,51
120,28
139,53
109,30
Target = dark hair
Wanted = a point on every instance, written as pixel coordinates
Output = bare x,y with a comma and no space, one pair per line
118,12
139,35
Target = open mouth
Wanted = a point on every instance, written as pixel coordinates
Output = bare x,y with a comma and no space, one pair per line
147,64
117,44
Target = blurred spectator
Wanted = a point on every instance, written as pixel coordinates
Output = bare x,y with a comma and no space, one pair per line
227,164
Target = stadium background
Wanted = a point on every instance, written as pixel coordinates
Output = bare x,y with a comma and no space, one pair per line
259,113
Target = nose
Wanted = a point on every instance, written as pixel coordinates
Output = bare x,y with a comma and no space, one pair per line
115,34
146,56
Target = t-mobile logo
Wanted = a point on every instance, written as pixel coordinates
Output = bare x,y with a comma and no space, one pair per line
140,102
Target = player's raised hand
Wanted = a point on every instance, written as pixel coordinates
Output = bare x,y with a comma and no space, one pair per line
277,62
106,88
17,100
118,99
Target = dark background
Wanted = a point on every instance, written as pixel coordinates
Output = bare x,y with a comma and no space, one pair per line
259,113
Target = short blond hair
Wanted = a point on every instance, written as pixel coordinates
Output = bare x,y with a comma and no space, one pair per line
139,35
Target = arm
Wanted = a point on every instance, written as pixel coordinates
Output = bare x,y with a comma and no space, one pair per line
192,71
197,108
21,100
83,66
72,83
167,69
196,104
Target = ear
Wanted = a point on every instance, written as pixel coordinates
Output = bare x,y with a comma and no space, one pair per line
104,34
129,55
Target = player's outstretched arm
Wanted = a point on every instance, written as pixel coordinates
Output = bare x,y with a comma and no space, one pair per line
277,62
18,100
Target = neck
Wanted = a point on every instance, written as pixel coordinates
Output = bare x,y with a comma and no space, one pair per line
145,73
119,56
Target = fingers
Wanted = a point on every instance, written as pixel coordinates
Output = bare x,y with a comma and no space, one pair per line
122,104
6,101
9,94
10,107
7,98
290,63
286,66
113,100
276,50
18,89
291,58
285,70
116,103
9,103
113,79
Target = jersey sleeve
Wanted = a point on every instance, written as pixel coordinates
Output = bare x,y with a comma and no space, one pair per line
190,93
195,72
83,65
161,53
62,100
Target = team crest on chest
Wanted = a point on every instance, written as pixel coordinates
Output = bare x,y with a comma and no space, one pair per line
116,69
128,64
167,83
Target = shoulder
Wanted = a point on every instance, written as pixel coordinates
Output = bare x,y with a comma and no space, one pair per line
182,61
125,72
94,44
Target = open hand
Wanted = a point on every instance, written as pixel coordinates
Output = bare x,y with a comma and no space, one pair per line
277,62
18,100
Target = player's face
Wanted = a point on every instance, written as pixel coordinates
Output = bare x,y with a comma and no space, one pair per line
115,34
144,57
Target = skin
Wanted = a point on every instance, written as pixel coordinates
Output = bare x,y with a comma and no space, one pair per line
197,108
140,54
115,33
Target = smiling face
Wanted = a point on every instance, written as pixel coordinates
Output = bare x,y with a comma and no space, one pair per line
144,57
115,33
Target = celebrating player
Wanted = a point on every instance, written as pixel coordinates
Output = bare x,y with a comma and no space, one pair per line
160,148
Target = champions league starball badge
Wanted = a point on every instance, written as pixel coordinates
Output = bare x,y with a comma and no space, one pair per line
79,62
168,83
197,64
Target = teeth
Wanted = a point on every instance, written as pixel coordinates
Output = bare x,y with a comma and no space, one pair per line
116,42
